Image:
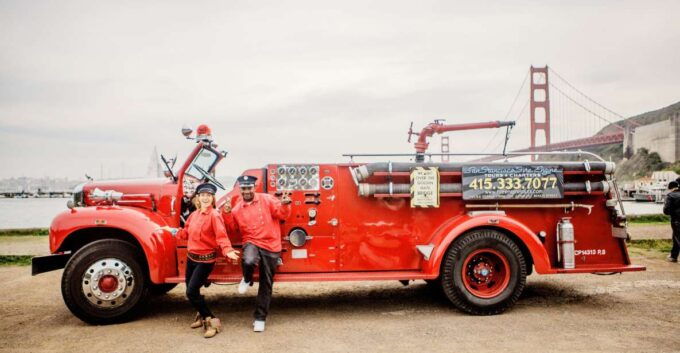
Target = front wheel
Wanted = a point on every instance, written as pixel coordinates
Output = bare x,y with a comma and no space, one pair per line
483,272
104,282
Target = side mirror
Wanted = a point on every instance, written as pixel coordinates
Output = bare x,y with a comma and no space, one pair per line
186,131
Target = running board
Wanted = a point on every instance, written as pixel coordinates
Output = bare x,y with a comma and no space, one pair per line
602,269
322,277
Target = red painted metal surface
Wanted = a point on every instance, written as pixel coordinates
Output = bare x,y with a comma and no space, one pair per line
353,237
320,277
138,224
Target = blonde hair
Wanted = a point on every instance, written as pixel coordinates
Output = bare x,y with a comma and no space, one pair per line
197,202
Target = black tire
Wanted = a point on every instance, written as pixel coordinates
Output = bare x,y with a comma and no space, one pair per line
74,282
160,289
497,292
434,284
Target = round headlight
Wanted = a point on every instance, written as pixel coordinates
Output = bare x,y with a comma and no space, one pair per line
78,196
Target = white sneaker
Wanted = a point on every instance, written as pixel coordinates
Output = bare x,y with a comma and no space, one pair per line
258,326
243,286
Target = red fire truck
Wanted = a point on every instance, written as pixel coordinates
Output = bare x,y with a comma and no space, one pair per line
475,229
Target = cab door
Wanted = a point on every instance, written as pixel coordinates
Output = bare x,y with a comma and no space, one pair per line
308,236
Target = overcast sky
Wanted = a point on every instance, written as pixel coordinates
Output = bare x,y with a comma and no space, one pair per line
88,84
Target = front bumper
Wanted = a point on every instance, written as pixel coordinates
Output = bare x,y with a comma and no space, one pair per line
40,264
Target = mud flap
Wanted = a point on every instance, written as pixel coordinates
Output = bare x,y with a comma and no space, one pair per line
620,232
40,264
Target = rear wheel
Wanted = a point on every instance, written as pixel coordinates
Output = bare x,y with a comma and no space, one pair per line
483,272
104,282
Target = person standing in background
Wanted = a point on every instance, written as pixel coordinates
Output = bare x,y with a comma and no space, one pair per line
672,208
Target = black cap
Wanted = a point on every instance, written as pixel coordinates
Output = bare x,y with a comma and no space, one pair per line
246,180
206,187
673,185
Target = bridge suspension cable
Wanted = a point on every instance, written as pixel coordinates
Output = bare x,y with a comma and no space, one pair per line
585,108
519,91
584,95
510,110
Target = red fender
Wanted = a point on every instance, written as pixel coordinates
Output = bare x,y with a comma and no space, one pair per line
158,246
459,225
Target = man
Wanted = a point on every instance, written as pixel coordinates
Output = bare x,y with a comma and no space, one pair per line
257,217
672,208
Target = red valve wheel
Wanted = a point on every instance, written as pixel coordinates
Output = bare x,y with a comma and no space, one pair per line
486,273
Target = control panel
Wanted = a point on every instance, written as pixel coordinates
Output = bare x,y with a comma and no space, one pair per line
294,177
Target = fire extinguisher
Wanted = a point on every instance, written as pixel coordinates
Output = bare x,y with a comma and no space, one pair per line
565,243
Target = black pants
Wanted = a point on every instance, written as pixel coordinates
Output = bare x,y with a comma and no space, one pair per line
197,275
267,261
675,225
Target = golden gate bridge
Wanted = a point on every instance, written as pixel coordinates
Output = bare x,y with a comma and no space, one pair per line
560,116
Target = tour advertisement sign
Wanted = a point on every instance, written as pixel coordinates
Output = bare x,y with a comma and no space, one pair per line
510,182
425,187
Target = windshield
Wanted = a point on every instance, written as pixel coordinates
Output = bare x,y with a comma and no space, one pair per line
205,160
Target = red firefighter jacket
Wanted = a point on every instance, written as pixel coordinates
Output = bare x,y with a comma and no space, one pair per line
258,221
205,231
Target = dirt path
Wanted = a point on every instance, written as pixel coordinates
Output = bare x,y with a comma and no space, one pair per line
650,231
637,312
25,245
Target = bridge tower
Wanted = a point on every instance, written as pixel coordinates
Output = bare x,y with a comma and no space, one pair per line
539,105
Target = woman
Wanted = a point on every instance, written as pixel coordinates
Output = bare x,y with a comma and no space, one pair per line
205,232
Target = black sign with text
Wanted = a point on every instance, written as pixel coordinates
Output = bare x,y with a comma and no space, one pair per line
512,182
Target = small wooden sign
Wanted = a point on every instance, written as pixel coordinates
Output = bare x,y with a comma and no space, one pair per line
425,187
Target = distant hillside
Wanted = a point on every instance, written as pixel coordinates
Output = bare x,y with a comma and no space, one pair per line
642,163
644,118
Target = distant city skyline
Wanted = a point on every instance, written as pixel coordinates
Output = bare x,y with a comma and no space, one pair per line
92,87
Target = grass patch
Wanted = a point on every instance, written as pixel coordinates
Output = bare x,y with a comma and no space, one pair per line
649,219
24,232
15,260
663,245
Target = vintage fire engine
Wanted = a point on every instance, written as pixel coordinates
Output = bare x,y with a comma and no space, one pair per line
476,229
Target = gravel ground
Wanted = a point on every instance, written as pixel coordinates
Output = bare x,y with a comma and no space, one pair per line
633,312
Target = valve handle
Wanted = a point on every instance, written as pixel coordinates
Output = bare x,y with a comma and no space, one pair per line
411,133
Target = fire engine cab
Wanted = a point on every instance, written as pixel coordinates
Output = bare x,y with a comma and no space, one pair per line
474,229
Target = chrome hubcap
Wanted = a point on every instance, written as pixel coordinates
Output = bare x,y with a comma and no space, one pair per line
108,283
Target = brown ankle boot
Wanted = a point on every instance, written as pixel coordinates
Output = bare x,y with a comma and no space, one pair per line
212,327
198,321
